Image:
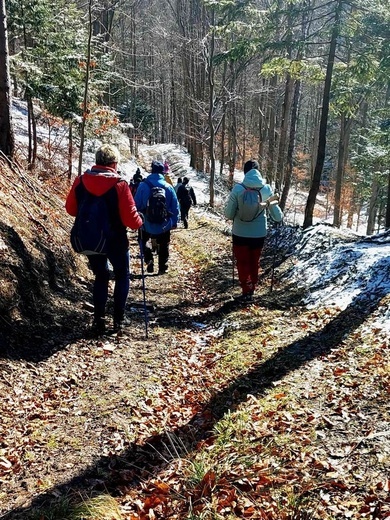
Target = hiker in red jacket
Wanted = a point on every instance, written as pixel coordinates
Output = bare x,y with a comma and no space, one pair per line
99,180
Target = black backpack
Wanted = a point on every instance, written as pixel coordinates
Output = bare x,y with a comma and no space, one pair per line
184,196
97,217
156,207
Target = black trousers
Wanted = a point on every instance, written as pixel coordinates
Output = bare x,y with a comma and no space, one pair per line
162,241
184,210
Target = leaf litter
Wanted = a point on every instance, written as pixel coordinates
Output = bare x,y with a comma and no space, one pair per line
258,412
276,411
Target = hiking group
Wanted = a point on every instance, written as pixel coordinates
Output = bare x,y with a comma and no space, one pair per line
105,205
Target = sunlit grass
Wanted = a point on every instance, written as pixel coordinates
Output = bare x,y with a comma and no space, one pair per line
101,507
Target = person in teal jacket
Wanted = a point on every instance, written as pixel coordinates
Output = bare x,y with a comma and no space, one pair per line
249,237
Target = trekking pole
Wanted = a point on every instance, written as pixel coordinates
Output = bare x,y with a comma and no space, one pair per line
232,266
273,271
141,249
274,259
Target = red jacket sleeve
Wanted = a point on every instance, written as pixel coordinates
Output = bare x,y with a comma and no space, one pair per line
71,201
127,208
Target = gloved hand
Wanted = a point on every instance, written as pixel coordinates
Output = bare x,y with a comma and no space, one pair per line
274,199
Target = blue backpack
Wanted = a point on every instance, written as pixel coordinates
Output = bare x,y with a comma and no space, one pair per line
156,208
97,217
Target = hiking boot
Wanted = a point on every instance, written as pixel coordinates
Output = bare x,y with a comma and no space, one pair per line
245,297
163,269
120,323
99,326
150,266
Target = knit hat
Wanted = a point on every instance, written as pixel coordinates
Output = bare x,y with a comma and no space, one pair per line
157,167
251,165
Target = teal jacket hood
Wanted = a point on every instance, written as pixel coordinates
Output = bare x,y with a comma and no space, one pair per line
253,179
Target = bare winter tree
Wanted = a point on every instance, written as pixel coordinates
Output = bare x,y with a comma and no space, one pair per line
315,184
6,132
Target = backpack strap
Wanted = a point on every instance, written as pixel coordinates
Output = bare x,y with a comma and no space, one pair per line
253,189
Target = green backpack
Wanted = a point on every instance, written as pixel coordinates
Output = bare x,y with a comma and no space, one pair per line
250,204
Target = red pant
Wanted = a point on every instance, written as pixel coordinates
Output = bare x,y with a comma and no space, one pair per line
247,259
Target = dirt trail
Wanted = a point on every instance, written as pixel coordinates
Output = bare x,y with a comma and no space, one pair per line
60,415
99,413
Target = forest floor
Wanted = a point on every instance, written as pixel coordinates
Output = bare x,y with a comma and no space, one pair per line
214,410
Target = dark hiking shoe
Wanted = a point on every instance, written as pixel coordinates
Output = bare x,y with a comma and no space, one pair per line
163,269
120,324
98,326
150,266
245,298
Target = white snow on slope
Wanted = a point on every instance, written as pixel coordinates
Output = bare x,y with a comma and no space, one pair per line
338,268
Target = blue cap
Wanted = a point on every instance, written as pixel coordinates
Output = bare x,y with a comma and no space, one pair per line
157,167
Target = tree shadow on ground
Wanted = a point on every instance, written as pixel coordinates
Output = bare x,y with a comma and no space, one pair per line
140,461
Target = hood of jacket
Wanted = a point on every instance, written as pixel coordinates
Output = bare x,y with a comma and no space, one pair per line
157,179
99,179
253,179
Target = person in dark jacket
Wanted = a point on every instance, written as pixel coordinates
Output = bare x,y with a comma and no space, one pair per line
134,183
187,198
160,233
98,180
179,182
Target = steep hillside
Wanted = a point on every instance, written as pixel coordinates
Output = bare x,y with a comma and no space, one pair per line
37,267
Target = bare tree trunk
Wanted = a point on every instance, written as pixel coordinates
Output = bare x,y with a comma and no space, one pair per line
343,142
210,77
86,89
173,108
271,118
315,185
232,143
291,143
7,142
372,210
286,112
314,134
263,129
351,207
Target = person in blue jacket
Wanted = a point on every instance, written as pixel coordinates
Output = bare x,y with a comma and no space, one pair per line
158,232
249,237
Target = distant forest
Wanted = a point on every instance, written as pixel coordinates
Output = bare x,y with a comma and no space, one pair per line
301,85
